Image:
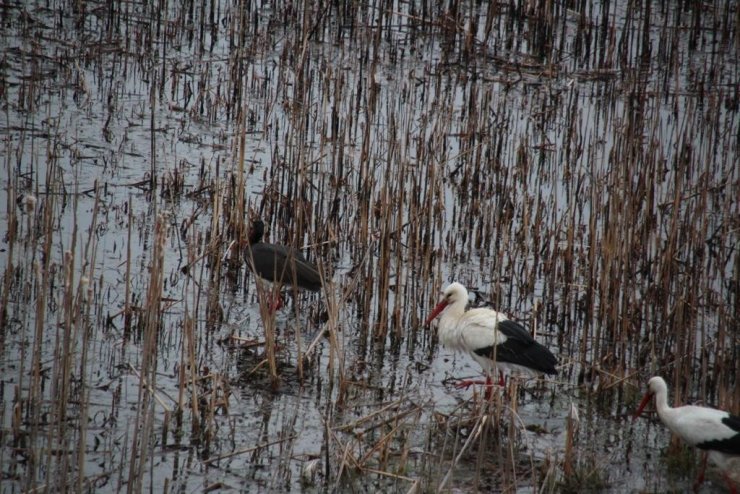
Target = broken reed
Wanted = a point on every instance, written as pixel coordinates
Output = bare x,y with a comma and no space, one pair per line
479,444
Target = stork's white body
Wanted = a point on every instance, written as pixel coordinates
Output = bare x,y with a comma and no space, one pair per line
491,338
695,425
709,429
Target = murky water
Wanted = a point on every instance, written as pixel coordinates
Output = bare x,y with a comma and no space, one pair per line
578,168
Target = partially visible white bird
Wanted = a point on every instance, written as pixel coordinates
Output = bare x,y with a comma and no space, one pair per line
490,337
714,431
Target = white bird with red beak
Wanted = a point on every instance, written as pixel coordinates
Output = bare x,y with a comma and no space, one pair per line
491,338
714,431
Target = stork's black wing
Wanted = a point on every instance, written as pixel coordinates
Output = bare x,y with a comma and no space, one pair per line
520,349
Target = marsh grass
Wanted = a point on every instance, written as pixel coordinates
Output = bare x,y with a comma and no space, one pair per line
576,165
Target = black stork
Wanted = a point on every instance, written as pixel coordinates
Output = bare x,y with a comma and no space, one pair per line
280,263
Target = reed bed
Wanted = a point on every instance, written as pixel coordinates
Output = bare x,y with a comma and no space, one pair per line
575,167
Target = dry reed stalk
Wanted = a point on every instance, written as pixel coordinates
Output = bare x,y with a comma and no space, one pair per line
150,389
237,228
353,425
65,352
214,311
331,328
11,235
189,369
512,432
474,434
142,437
381,445
391,475
265,297
570,437
252,449
34,401
127,308
84,299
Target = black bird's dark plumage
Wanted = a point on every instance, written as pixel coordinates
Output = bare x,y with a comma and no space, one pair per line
280,263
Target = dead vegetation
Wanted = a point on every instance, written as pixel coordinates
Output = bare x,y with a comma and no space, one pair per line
577,166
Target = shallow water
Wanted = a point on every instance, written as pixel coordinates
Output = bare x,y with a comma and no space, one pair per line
577,168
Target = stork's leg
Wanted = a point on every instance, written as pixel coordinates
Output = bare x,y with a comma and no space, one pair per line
488,383
467,383
276,302
730,483
489,387
700,478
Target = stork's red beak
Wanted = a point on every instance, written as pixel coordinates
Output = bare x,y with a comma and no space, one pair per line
643,404
437,310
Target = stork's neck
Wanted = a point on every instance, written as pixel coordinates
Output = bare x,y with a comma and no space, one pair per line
665,411
256,232
454,312
448,332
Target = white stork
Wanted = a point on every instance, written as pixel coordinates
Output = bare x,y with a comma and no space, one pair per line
491,338
714,431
